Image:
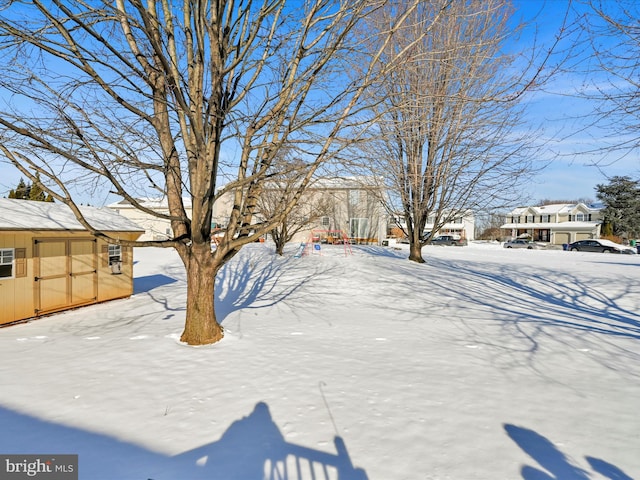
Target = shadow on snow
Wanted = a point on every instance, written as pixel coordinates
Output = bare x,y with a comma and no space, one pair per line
252,448
554,464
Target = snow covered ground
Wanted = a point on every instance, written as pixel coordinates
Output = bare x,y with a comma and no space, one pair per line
483,363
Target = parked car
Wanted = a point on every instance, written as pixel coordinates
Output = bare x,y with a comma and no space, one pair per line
599,245
449,240
521,243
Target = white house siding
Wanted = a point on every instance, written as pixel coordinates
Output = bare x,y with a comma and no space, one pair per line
154,228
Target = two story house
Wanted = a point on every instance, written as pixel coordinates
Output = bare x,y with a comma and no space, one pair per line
348,205
556,224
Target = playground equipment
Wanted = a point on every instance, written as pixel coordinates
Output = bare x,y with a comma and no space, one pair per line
317,238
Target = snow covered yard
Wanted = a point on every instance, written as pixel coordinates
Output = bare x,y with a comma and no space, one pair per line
484,363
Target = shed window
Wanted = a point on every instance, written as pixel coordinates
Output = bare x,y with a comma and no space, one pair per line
115,254
6,262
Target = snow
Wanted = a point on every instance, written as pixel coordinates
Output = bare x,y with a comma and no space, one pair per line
483,363
29,215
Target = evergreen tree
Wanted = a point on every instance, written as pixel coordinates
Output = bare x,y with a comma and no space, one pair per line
22,190
33,191
36,193
621,198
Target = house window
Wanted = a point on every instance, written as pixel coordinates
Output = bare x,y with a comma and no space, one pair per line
354,197
6,262
325,222
115,254
580,217
529,219
358,227
545,218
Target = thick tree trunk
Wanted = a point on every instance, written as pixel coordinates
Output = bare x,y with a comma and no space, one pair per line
201,327
415,252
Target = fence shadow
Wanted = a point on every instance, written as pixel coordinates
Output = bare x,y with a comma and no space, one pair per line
252,448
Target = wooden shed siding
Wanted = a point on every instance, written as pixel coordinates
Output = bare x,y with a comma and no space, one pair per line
17,292
69,272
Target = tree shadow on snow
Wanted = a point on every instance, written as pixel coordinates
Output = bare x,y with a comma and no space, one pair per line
391,252
252,448
251,282
555,465
548,298
534,306
149,282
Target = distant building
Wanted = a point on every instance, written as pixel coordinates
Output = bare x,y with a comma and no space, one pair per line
50,262
354,209
155,228
556,224
462,225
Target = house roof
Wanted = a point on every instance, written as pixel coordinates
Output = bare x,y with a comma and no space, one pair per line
30,215
555,208
159,203
353,182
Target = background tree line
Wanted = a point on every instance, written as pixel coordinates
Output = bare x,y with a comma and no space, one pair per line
30,191
621,213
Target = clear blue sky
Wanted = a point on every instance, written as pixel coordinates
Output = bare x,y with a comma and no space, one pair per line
570,172
575,164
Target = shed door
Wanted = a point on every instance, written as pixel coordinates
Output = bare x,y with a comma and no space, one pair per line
65,273
52,275
83,275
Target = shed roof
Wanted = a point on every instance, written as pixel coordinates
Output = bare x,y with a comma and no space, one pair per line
30,215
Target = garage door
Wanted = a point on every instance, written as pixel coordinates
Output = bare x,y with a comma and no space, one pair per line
560,238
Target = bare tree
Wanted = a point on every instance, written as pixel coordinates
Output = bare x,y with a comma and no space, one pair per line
307,212
183,98
447,116
613,69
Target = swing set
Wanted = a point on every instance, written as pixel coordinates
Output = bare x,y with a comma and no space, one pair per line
328,237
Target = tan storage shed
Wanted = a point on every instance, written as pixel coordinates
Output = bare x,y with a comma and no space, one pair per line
49,262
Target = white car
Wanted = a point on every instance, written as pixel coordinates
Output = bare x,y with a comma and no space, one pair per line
521,243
